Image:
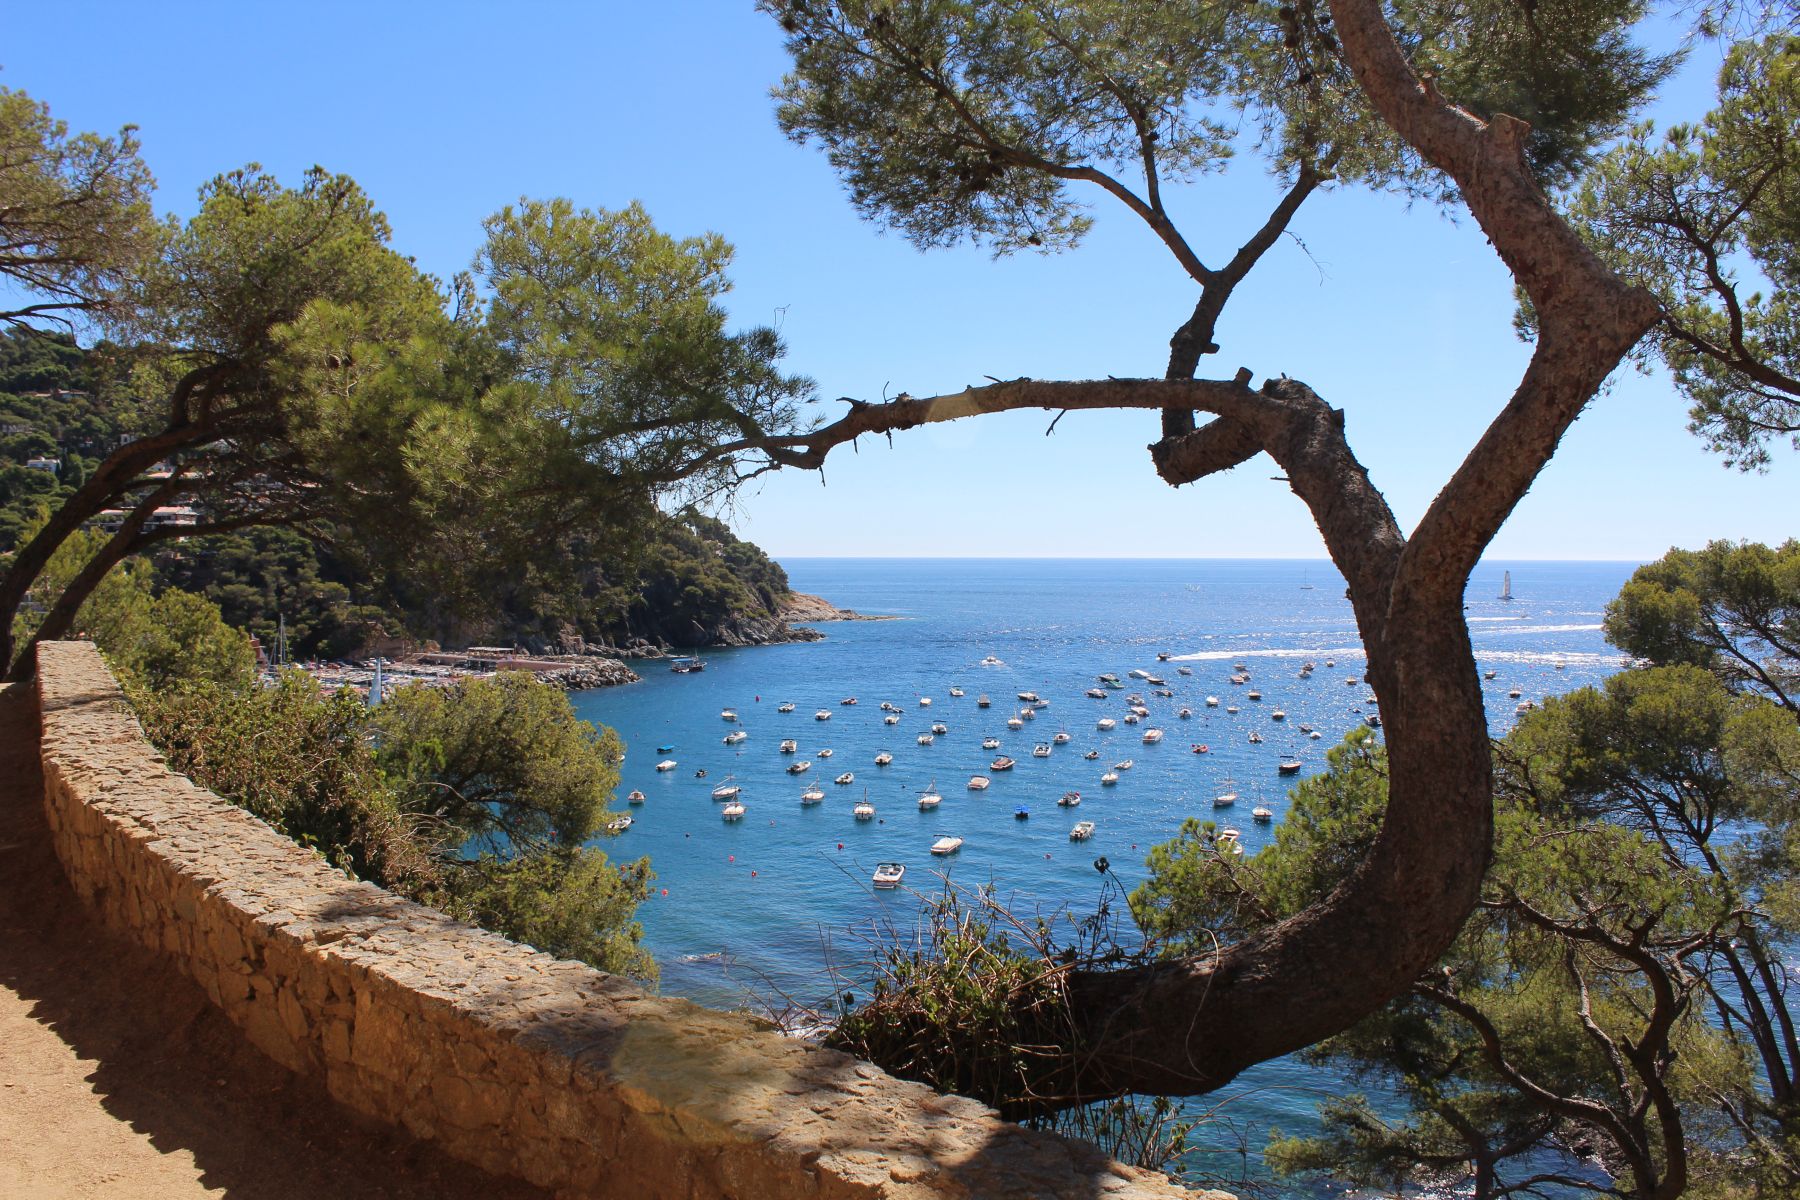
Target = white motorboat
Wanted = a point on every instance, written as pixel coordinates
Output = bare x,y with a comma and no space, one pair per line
812,795
883,759
1110,778
863,810
1091,755
1185,714
1227,842
888,875
924,701
1001,763
1253,694
847,701
979,783
798,768
956,691
1152,736
991,661
1138,673
1165,693
1105,723
726,791
1212,702
1515,693
1096,693
620,823
1288,766
890,719
635,797
728,715
1082,831
889,706
734,737
982,702
1029,714
1069,799
1124,764
1315,735
1015,723
1041,750
732,811
846,778
789,746
990,743
825,753
784,707
925,739
1028,697
1262,815
1156,681
1231,708
947,845
929,798
1278,715
1132,718
1255,738
824,714
1184,670
940,728
1062,737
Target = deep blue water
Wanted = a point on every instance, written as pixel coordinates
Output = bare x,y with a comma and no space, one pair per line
772,897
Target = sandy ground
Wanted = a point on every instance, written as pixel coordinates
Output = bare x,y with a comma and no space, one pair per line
117,1080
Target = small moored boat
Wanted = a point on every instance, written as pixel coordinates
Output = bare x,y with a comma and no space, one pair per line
947,845
1069,799
635,797
1082,831
1110,778
726,791
824,714
846,777
797,768
929,798
1288,766
1041,750
1001,763
979,783
789,746
1262,815
863,810
1152,736
734,737
888,875
620,823
728,715
883,759
732,811
925,739
784,707
1105,723
812,795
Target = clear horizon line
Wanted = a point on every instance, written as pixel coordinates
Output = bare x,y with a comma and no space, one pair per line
1144,558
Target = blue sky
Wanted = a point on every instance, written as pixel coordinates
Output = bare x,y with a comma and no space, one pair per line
445,112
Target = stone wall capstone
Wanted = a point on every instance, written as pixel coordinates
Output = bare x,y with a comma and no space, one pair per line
525,1064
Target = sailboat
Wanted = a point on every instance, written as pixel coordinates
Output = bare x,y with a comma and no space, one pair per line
1506,585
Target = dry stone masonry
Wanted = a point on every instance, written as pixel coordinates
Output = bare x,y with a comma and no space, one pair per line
528,1065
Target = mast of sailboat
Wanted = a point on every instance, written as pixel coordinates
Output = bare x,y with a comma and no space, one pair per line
1506,585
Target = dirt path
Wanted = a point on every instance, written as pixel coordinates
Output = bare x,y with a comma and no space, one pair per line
118,1080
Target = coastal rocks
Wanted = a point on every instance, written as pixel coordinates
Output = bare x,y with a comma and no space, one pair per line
588,671
801,607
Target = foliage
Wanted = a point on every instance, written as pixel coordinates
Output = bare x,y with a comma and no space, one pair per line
76,219
504,760
1732,609
969,119
568,901
1709,220
420,794
299,761
1642,873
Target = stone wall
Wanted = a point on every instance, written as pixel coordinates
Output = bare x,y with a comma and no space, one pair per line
525,1064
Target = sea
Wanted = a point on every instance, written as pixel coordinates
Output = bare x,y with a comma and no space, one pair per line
778,906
